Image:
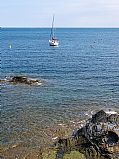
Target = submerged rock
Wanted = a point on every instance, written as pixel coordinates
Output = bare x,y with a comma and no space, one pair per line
97,139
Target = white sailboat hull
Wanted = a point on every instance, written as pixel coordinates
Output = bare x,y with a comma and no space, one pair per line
53,42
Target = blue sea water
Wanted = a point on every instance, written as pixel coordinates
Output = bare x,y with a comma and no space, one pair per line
80,75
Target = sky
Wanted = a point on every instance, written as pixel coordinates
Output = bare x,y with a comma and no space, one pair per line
68,13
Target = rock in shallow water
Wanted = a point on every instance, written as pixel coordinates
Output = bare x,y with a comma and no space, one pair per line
22,80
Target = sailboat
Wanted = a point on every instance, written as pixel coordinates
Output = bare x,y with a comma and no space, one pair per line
53,40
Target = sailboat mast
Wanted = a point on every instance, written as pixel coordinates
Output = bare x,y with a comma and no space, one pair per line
52,33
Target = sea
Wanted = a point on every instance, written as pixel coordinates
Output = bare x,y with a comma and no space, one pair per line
79,76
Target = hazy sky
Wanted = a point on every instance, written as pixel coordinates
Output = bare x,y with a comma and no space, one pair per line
68,13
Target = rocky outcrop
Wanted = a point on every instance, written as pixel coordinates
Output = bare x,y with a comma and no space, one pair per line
97,139
21,80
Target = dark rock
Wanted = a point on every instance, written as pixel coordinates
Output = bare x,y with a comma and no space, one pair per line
19,79
98,139
100,116
22,80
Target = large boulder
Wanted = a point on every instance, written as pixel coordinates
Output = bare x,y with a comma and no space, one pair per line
97,139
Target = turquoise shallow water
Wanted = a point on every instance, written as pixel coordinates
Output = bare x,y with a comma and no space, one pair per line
80,75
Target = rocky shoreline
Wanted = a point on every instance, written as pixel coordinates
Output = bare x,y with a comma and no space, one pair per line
96,138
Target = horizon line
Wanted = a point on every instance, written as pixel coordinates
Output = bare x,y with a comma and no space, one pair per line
57,27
